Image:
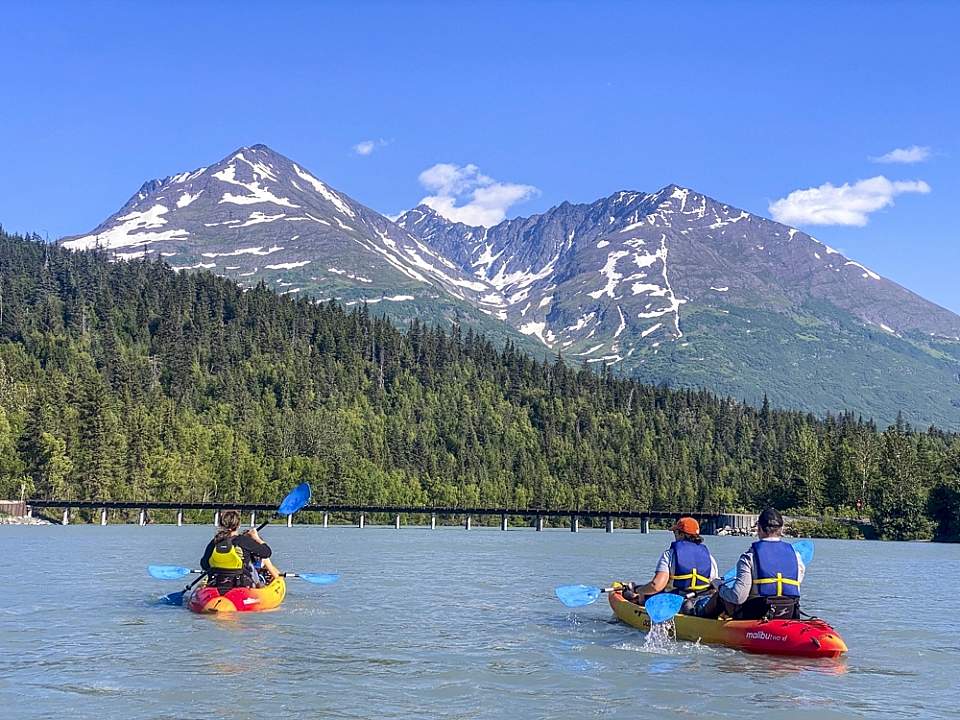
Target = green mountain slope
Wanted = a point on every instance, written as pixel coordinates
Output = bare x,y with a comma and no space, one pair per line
813,357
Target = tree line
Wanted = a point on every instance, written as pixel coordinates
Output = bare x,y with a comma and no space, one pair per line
128,381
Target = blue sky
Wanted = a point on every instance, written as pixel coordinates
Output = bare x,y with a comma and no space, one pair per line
746,102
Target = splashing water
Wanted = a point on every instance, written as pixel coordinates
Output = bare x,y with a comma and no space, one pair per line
660,638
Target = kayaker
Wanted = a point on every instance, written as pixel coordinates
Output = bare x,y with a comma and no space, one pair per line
768,579
230,556
686,566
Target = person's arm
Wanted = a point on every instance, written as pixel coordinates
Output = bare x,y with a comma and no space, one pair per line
801,568
714,572
253,544
205,560
657,584
661,576
738,592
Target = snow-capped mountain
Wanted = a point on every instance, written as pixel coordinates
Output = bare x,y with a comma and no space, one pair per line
670,286
676,287
257,215
609,279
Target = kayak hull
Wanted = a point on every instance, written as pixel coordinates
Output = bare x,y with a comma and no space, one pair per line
795,638
209,600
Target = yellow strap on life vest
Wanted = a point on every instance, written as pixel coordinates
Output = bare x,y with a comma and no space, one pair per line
697,581
780,580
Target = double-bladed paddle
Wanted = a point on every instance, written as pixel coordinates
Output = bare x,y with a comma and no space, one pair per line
295,499
175,572
659,607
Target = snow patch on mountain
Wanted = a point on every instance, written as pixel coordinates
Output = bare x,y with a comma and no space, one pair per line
130,230
328,194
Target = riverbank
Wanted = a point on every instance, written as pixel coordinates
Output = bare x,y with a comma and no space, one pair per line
24,520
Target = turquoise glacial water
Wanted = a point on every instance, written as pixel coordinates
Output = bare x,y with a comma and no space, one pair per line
450,624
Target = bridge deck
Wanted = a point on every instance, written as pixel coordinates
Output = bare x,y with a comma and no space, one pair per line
383,509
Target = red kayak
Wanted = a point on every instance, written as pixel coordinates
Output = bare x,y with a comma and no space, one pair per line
796,638
241,599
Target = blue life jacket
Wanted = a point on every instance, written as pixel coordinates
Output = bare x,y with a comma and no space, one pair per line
691,566
776,570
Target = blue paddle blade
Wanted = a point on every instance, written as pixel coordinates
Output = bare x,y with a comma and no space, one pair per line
296,499
168,572
804,549
319,578
729,575
173,599
662,607
577,595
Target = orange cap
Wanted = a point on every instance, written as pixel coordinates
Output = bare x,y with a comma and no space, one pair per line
687,525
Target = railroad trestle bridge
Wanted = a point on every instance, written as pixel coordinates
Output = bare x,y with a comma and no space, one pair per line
710,522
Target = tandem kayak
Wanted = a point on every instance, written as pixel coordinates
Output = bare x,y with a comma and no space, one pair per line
796,638
209,599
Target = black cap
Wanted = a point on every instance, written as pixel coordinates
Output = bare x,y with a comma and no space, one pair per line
770,518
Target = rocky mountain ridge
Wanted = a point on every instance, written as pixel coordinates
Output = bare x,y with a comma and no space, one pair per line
671,286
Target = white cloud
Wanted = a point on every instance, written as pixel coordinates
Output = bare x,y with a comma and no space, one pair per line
461,193
366,147
904,156
844,205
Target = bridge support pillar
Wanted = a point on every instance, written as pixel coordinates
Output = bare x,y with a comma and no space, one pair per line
433,521
466,523
360,523
179,518
103,516
609,527
503,522
253,518
574,523
644,525
216,518
289,520
326,519
396,522
66,516
143,517
538,523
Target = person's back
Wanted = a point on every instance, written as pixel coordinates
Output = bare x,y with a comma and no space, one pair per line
228,557
769,575
686,566
692,566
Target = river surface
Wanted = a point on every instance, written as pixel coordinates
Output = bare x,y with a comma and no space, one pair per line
450,624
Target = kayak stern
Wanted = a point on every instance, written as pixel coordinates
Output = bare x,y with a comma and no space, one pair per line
209,599
795,638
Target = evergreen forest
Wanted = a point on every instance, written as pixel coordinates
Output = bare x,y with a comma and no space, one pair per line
128,381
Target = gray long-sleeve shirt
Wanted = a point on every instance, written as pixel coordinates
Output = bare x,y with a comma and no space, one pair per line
742,589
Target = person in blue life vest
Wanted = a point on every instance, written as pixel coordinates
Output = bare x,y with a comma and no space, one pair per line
687,566
768,579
